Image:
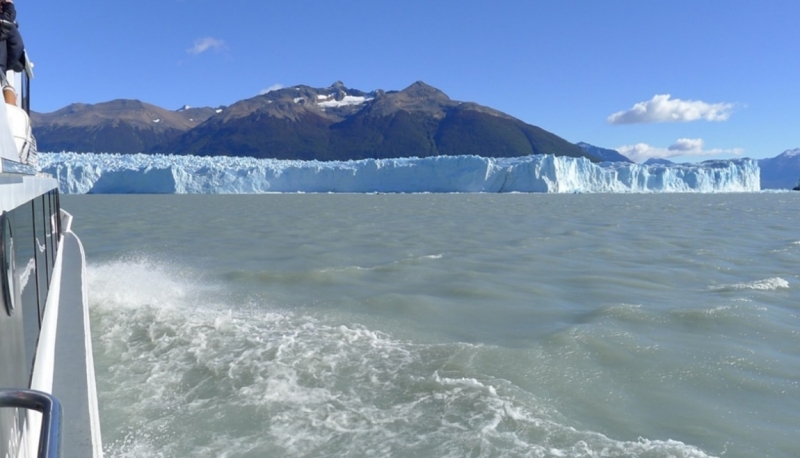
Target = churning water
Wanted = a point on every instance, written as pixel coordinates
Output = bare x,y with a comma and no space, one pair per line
445,325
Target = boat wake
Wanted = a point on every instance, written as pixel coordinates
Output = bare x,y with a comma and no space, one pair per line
183,372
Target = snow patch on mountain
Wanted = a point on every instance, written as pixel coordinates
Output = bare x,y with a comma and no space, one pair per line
346,101
140,173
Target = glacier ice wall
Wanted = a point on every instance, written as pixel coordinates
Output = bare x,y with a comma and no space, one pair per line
140,173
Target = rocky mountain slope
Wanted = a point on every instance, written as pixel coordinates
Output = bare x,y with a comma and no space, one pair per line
604,154
301,122
123,126
781,171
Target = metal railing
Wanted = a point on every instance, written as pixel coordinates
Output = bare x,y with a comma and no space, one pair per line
48,405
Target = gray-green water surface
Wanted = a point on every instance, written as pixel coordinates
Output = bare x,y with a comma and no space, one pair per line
445,325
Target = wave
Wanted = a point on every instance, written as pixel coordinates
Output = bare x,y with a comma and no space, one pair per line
388,265
767,284
184,372
325,275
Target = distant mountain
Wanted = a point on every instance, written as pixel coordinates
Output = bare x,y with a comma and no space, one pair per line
604,154
338,123
657,161
120,126
301,122
782,171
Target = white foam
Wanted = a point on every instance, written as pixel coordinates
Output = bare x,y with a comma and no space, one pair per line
380,266
174,365
433,256
767,284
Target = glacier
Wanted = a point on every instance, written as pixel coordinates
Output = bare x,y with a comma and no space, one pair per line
82,173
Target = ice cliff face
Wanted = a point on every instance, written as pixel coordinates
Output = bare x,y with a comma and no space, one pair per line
139,173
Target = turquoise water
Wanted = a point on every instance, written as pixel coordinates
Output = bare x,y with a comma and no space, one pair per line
445,325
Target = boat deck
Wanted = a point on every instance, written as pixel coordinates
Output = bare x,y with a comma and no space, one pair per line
73,376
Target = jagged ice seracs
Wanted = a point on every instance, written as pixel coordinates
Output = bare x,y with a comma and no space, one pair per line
140,173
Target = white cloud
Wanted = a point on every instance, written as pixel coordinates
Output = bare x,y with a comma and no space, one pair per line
687,145
202,45
274,87
663,108
641,152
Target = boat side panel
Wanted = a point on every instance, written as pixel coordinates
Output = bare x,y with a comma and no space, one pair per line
16,190
19,328
12,358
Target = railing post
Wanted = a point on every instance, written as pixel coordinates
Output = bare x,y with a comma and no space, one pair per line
48,405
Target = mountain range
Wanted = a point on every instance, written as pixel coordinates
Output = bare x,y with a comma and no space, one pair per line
332,123
124,126
301,122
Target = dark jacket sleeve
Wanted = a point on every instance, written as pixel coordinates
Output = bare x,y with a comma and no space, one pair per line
16,50
9,12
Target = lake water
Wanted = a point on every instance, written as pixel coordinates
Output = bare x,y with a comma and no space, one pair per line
454,325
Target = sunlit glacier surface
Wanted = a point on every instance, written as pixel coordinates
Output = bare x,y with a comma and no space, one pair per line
166,174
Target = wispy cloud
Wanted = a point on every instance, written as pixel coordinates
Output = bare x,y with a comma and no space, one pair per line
202,45
274,87
641,152
663,108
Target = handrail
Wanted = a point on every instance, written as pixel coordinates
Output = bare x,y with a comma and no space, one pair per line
48,405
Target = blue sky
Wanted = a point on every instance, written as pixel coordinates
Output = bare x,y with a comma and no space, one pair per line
691,80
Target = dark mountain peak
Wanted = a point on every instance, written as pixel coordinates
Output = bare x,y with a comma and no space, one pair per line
421,90
112,112
417,98
127,103
105,107
74,107
339,91
287,103
331,104
420,84
122,105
